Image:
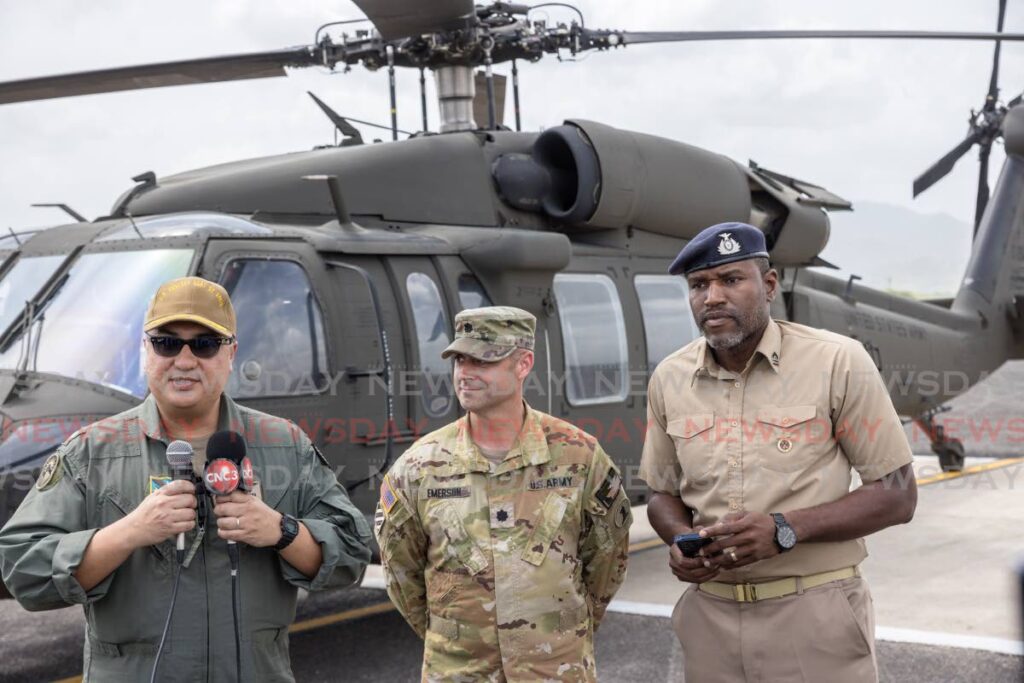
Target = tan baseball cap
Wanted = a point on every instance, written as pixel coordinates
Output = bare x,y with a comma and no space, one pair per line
492,333
192,299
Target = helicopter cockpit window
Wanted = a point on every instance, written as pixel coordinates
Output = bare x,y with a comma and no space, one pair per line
594,337
22,283
668,322
91,328
182,225
471,292
281,342
432,337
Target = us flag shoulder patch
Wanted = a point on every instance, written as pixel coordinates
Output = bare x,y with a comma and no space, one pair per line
388,498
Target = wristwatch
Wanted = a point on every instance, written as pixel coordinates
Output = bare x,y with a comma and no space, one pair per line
289,530
785,537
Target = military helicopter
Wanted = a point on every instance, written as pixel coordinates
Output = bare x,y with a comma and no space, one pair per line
347,263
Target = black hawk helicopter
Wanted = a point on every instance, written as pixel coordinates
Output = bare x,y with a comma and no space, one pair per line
347,263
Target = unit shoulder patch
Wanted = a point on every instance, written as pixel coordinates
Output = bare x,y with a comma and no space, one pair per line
157,482
609,489
51,472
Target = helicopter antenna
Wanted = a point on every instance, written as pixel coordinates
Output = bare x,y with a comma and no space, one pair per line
423,98
391,87
66,209
134,226
351,135
515,94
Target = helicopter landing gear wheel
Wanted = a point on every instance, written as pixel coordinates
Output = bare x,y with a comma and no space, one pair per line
951,455
950,451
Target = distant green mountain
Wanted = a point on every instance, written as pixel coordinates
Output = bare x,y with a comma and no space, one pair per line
895,248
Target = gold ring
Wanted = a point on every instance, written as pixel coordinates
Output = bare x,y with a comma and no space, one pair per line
238,525
732,554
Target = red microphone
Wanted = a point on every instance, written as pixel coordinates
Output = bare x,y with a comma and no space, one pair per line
248,478
221,476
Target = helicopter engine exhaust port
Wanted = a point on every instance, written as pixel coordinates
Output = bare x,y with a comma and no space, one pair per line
589,176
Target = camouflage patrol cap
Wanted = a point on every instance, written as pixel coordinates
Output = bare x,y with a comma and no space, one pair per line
492,333
192,299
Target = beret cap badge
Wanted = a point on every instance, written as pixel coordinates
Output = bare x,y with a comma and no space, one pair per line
728,245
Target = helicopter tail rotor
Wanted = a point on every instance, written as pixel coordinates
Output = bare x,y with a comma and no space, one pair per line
985,127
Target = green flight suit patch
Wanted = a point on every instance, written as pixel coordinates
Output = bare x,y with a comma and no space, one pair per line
52,471
157,482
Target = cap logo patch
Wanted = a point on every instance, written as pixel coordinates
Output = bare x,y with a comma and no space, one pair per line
728,245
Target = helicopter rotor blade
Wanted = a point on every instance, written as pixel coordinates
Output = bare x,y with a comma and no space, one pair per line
396,19
993,83
982,201
638,37
940,168
208,70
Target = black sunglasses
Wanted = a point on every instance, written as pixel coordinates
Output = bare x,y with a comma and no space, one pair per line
205,347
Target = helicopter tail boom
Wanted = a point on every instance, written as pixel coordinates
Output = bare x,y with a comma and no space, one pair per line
993,284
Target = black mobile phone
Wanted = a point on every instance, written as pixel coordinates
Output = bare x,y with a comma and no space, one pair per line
690,544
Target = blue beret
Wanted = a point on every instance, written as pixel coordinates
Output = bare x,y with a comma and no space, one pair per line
718,245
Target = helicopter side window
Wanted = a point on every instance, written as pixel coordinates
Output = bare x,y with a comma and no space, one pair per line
432,337
471,292
594,338
281,341
668,321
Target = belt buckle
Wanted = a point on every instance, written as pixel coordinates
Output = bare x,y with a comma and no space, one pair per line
745,592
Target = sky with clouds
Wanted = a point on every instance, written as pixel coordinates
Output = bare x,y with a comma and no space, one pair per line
861,118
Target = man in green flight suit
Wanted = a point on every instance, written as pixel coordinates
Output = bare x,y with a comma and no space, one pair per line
505,534
99,527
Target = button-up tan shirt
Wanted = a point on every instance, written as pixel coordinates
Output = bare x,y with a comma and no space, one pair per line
781,435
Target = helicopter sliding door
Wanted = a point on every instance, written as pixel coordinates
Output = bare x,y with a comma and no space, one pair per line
425,383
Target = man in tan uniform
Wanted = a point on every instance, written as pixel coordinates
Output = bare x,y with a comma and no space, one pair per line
753,430
503,535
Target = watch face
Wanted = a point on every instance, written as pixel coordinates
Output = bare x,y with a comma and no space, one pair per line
290,525
786,536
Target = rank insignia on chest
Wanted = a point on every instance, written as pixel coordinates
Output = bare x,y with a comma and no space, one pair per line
552,483
448,492
503,516
156,483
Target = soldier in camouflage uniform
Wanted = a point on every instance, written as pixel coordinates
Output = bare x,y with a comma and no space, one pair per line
503,535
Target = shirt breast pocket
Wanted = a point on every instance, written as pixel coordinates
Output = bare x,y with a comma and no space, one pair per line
790,438
693,436
461,550
546,528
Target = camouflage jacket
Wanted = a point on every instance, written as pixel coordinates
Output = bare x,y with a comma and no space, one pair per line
100,474
505,572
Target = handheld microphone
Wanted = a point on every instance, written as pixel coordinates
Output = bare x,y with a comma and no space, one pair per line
230,447
179,457
228,470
